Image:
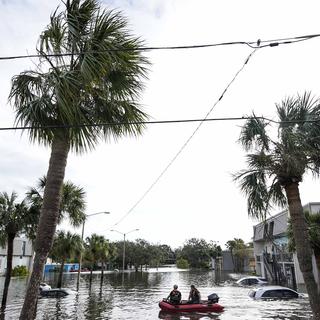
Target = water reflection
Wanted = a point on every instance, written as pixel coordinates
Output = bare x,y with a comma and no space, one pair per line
138,295
186,316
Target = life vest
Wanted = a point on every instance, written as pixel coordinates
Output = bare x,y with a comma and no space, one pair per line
175,295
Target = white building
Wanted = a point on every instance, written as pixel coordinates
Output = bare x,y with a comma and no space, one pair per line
22,254
270,244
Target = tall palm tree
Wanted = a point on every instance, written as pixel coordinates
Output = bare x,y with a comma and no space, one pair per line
72,101
15,218
276,167
65,246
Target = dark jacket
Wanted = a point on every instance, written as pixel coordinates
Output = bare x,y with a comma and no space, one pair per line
175,296
194,296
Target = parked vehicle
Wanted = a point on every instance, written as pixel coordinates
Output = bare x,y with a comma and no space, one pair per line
252,280
44,286
56,293
273,292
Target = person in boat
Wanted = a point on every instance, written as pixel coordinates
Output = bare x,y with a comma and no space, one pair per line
175,295
194,295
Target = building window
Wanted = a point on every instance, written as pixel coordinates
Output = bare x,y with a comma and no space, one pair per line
271,227
265,231
24,248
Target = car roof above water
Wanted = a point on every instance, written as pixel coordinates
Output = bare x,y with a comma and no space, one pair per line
252,277
258,293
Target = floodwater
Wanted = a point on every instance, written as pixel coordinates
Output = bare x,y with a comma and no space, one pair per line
136,296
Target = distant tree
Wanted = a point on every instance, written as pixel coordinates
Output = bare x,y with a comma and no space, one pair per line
96,251
15,218
168,254
66,246
141,254
238,251
198,252
276,166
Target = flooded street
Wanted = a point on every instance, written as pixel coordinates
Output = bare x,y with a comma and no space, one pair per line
138,295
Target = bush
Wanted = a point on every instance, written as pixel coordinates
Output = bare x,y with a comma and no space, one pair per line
19,271
182,263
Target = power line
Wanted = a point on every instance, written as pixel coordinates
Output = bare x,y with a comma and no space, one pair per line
186,142
106,124
252,44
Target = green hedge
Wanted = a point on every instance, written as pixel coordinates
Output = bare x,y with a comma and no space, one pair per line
19,271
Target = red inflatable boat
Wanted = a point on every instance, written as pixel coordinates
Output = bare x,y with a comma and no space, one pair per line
204,306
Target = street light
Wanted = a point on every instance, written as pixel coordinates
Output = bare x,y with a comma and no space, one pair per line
124,245
82,235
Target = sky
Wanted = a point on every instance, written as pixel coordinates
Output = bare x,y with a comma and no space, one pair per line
196,197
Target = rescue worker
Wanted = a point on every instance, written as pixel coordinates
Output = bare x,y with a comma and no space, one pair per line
175,295
194,295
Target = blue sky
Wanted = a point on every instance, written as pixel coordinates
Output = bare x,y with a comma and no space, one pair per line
196,197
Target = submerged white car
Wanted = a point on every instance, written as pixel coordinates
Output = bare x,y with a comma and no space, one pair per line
44,286
252,280
273,292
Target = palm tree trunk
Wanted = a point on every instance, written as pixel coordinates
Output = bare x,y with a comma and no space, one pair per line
233,260
90,278
317,256
303,246
102,269
11,237
59,284
47,224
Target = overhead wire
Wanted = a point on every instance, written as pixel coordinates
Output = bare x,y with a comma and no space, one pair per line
255,45
185,143
157,122
252,44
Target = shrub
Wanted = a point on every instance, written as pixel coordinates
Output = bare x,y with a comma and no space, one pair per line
19,271
182,263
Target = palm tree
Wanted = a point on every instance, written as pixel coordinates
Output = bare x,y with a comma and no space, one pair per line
96,251
313,222
15,218
72,101
276,167
65,246
23,217
72,203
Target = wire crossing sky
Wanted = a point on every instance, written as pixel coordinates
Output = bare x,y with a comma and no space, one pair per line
252,44
191,65
186,142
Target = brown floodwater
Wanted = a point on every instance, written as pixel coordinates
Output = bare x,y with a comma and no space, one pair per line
136,296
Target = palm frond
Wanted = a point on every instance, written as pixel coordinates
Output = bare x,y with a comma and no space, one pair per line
276,194
101,84
73,203
254,133
52,38
253,185
260,161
